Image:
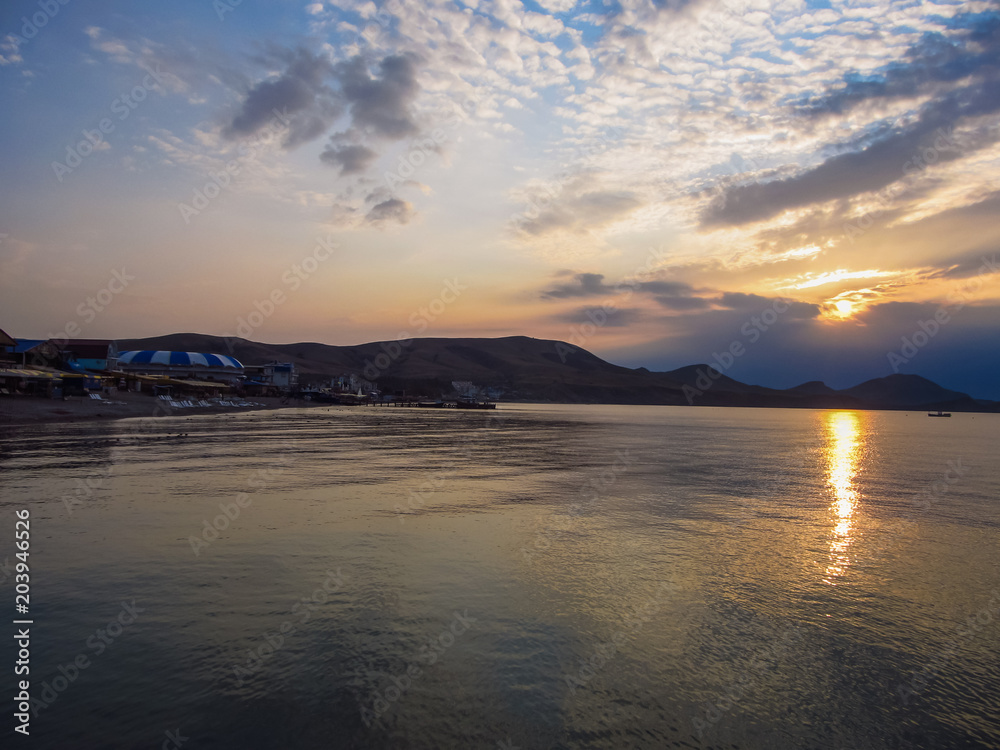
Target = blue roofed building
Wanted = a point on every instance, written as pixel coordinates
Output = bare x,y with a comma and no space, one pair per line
182,365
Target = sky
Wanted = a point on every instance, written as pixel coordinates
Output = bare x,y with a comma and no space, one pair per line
790,191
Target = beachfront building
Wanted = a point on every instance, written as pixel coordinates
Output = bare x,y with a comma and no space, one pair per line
273,375
7,344
78,355
95,355
193,366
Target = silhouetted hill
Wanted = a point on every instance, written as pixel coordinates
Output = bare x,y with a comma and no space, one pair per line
530,369
903,390
813,388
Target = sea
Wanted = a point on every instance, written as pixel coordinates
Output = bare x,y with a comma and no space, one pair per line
539,576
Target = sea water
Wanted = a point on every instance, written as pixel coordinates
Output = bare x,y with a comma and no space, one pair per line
535,577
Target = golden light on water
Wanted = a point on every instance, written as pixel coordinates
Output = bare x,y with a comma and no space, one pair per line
843,452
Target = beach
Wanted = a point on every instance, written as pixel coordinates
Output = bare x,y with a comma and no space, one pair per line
122,405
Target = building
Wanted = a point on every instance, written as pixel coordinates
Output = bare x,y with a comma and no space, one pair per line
7,344
36,353
196,366
96,355
273,375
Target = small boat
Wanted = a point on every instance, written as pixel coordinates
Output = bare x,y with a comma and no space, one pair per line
430,404
939,414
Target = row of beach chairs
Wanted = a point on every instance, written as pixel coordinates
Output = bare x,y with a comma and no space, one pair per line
99,397
188,404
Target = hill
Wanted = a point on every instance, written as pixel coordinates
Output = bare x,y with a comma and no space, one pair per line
530,369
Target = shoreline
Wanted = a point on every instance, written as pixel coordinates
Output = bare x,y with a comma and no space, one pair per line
29,410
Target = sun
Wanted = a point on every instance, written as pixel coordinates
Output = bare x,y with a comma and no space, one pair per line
844,308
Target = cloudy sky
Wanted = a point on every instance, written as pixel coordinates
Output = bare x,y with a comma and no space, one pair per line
654,180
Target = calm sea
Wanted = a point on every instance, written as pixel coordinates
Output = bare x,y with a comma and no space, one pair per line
537,577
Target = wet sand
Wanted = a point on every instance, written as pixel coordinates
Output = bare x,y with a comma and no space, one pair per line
31,410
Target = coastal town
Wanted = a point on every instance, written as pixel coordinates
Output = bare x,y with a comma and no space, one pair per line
94,372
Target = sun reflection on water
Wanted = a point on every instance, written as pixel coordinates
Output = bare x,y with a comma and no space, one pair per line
843,452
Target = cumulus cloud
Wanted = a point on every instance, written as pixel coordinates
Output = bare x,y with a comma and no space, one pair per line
350,159
312,94
592,284
583,285
301,94
392,211
381,105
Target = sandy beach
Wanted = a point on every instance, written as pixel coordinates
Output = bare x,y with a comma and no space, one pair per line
32,410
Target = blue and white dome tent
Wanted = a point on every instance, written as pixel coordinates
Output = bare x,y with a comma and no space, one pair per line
178,359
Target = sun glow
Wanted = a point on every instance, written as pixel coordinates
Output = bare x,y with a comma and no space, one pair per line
844,308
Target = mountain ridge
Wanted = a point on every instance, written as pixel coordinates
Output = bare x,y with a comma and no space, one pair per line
529,369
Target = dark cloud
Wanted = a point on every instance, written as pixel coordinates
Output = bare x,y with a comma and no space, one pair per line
888,153
741,301
682,303
880,164
300,95
755,302
311,94
673,295
393,210
621,317
381,104
350,159
665,288
935,59
584,285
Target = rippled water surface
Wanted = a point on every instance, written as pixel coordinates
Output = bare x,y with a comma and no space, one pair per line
538,577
